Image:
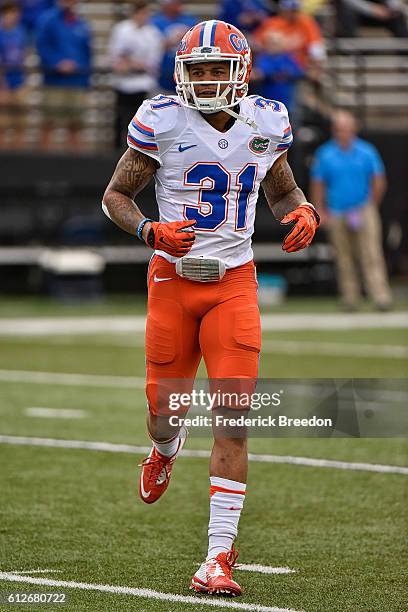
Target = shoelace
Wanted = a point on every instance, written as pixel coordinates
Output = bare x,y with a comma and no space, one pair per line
229,562
156,466
231,558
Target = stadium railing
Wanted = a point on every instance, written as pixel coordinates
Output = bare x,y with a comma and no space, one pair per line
370,75
364,74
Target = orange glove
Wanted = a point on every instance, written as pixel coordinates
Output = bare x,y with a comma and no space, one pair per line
307,221
172,237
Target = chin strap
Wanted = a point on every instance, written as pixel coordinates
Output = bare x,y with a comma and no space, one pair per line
220,106
246,120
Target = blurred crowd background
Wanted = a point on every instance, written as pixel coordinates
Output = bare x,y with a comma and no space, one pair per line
72,75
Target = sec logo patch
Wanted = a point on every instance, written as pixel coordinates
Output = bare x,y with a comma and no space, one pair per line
223,144
259,145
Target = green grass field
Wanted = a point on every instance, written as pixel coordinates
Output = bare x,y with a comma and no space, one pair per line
75,512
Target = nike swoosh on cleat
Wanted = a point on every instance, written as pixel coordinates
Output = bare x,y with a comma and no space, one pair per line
162,477
145,494
159,280
181,148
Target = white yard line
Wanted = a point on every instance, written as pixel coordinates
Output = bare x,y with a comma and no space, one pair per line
264,569
134,382
107,447
333,321
59,378
37,571
330,463
289,347
341,349
38,326
55,413
129,448
138,592
41,326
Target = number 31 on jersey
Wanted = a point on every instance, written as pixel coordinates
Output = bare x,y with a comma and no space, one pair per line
214,184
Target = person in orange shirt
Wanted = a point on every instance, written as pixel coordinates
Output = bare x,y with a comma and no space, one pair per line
302,33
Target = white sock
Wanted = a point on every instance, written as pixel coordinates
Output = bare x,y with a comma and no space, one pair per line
226,503
169,448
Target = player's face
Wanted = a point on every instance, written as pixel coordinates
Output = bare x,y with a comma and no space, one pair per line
208,71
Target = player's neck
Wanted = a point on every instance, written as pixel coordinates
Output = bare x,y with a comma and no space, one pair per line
220,121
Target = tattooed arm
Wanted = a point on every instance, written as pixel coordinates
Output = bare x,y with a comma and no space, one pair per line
281,191
288,204
132,174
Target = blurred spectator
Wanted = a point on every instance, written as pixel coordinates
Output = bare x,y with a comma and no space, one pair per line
135,51
313,7
348,184
173,23
322,11
13,45
302,34
33,11
388,13
278,70
64,47
245,14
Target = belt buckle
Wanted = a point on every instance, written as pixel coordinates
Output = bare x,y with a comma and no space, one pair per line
201,269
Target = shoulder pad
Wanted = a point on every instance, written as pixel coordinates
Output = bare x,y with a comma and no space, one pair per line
163,112
272,119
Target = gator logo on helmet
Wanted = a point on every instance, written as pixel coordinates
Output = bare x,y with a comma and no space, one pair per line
259,145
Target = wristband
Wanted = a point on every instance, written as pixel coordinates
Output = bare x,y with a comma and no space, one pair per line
141,226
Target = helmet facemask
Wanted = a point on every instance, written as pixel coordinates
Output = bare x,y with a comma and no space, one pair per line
229,92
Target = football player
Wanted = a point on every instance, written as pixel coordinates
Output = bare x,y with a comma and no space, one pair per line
209,149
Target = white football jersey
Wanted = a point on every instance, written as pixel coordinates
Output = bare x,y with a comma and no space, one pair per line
211,176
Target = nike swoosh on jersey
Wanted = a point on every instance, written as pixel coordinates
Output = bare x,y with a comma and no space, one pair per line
159,280
181,148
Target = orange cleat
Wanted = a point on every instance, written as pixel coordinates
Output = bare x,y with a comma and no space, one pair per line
156,472
214,576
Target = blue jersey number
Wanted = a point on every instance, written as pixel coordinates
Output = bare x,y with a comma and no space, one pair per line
246,184
266,103
161,101
214,184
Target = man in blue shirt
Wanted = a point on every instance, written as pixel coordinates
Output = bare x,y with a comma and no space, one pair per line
64,47
13,46
278,70
246,15
347,185
173,23
33,11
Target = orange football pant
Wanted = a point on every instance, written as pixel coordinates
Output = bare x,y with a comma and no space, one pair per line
187,320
